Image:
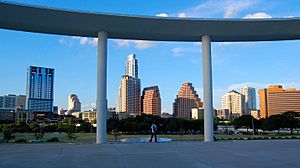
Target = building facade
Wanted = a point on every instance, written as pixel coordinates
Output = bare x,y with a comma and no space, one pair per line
118,100
12,101
74,104
234,102
186,99
197,113
130,95
250,98
222,113
151,101
276,100
39,90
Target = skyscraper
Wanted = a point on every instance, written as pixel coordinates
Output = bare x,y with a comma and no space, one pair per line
250,98
74,104
235,102
186,99
130,92
151,102
130,95
132,66
276,100
39,89
118,100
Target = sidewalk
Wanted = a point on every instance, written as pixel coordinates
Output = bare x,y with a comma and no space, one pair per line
265,153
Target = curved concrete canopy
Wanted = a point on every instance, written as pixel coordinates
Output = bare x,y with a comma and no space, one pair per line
74,23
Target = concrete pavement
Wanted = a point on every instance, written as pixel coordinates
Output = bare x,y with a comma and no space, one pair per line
264,153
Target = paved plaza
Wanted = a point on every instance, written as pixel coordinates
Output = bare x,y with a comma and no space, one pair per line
265,153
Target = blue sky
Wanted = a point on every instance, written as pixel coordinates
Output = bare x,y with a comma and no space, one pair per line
166,64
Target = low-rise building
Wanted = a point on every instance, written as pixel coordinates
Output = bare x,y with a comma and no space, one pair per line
222,113
197,113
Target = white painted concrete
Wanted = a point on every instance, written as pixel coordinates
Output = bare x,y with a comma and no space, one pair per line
207,89
101,88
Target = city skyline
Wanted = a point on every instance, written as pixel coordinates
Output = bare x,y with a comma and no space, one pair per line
170,63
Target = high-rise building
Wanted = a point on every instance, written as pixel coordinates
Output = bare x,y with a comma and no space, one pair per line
151,102
186,99
131,95
12,101
235,102
39,90
132,66
118,100
276,100
250,98
74,104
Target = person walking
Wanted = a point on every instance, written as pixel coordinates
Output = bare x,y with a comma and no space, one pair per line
153,130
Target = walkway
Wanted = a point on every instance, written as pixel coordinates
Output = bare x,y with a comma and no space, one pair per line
265,153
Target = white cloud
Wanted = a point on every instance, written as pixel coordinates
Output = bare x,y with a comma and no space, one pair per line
258,15
94,41
181,15
197,43
288,16
81,40
217,8
138,44
89,106
162,15
62,41
142,44
122,43
180,51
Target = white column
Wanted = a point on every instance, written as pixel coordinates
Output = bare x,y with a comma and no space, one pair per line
101,88
207,90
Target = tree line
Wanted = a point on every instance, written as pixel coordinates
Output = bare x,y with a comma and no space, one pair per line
141,125
289,120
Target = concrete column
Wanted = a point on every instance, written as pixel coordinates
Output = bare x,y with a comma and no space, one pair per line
101,88
207,90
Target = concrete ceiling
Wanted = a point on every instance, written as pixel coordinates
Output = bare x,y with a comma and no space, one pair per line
75,23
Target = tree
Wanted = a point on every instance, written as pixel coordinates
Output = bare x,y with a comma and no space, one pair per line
291,120
60,127
244,121
274,122
70,129
7,132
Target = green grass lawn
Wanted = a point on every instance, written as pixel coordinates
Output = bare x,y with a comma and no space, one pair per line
91,137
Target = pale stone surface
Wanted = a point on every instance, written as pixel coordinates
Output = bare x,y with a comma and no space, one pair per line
275,153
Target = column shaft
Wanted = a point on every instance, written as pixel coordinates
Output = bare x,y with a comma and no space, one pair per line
207,89
101,104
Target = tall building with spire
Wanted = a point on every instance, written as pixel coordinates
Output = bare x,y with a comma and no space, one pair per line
250,98
130,93
132,66
39,89
186,99
151,102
